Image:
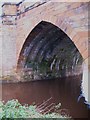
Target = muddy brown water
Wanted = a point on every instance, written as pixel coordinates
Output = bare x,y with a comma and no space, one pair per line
62,90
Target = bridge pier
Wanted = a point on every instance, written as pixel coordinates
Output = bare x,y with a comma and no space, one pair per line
17,24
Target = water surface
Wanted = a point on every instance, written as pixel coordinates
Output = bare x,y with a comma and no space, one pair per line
62,90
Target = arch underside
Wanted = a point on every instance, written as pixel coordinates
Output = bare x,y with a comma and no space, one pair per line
49,52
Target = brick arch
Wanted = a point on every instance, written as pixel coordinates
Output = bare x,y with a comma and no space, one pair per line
71,17
72,22
67,29
34,32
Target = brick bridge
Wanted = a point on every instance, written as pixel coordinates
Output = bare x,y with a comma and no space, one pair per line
19,20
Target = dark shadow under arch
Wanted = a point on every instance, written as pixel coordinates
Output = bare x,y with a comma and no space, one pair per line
49,52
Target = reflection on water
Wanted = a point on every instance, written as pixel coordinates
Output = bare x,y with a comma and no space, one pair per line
64,91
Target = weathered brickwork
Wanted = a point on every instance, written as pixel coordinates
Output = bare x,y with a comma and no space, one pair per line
71,17
0,47
9,9
9,49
